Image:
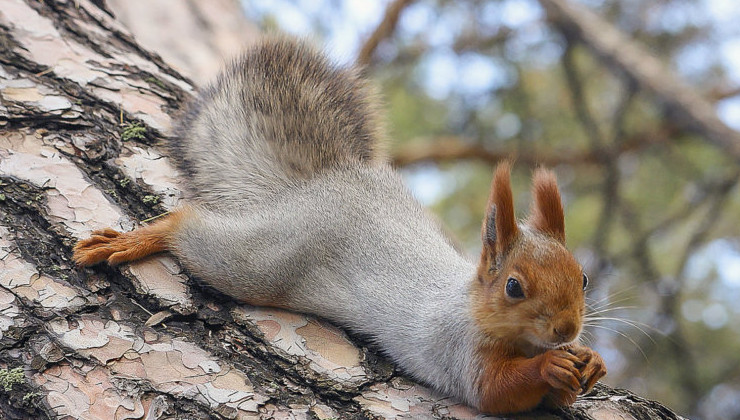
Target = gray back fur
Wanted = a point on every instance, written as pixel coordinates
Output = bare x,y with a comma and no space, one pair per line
294,207
353,247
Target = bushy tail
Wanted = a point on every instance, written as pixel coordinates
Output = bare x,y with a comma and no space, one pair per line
280,113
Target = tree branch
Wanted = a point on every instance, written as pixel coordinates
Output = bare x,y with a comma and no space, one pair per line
382,31
648,72
722,94
451,148
580,105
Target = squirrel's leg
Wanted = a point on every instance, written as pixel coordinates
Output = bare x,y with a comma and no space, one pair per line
215,247
117,247
519,384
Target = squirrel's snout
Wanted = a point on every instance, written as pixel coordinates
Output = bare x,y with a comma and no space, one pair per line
565,331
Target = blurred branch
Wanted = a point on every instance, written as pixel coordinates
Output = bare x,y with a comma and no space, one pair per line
612,179
671,302
716,193
450,148
579,99
522,96
719,195
620,112
648,72
382,31
473,42
719,94
639,251
709,190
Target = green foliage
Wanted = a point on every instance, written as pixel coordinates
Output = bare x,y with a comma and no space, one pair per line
133,131
10,378
150,199
28,397
155,81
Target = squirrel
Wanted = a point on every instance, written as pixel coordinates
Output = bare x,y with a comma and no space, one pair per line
293,204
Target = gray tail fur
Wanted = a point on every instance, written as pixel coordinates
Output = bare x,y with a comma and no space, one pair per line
279,114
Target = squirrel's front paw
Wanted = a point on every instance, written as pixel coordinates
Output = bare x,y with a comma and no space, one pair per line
561,370
593,367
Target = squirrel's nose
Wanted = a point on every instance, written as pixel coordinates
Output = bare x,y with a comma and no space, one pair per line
565,331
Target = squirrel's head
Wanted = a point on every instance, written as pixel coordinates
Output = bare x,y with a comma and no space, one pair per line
529,290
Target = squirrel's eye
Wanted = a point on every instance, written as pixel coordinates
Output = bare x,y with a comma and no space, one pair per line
585,281
514,289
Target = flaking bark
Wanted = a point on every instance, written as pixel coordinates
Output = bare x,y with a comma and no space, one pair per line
145,341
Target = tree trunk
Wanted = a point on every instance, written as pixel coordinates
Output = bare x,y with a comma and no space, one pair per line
195,37
83,110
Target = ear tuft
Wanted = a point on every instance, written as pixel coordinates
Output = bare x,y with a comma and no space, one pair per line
499,227
546,214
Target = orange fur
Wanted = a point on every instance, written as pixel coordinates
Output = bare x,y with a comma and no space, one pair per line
510,384
499,226
513,383
502,198
117,247
521,370
547,209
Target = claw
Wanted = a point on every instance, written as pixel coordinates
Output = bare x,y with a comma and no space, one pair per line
592,368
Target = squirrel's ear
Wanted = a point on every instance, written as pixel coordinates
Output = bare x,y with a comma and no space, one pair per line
499,227
546,214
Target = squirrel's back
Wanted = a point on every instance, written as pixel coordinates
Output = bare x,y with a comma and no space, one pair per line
279,114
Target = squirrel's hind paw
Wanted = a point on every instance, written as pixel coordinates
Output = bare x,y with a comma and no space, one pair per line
96,248
116,248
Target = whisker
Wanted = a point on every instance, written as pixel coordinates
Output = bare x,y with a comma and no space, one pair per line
610,307
621,294
634,324
598,309
602,304
616,308
623,335
627,321
587,337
